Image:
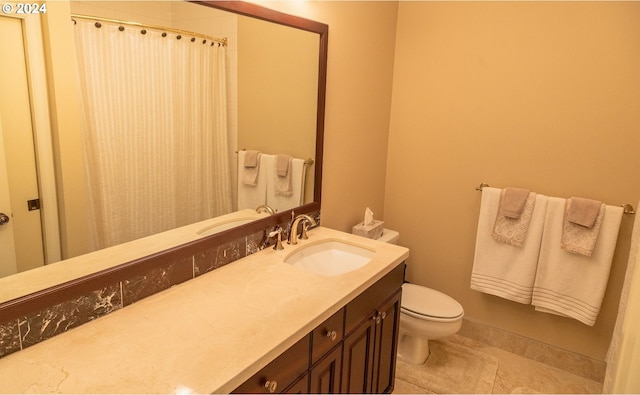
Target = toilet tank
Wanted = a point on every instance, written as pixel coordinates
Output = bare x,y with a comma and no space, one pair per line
389,236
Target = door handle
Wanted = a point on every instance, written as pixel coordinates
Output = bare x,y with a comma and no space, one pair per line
4,218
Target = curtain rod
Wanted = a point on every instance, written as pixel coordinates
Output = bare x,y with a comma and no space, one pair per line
222,41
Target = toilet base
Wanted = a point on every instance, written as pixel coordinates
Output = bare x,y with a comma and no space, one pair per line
413,350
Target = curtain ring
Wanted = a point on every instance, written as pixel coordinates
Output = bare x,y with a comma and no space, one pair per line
121,28
98,25
178,37
143,31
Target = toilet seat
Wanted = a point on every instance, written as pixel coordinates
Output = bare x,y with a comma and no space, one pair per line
429,304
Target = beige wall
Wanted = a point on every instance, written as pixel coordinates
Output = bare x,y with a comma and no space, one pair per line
537,95
65,106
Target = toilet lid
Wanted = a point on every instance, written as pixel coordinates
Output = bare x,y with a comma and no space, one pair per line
429,302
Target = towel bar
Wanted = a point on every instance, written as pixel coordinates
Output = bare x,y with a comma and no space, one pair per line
627,208
306,162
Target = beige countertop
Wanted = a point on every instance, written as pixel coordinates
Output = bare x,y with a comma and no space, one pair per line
207,335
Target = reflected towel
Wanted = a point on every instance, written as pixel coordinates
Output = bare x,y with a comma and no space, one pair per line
512,202
573,285
252,196
503,269
250,168
282,176
577,238
251,158
283,164
512,230
278,201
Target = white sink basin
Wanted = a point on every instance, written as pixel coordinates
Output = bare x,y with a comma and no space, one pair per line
330,257
209,230
229,221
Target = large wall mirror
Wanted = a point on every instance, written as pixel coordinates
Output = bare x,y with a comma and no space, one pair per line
275,70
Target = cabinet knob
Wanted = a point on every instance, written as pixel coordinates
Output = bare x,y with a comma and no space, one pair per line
271,386
4,218
332,335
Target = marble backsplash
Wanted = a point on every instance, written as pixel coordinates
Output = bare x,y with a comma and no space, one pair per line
167,270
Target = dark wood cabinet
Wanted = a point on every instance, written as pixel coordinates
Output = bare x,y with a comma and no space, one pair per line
353,351
386,346
325,375
280,373
358,359
370,345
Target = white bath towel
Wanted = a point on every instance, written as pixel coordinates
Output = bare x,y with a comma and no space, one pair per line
573,285
503,269
252,196
284,202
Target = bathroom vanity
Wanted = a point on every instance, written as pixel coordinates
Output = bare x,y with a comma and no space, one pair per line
257,324
353,351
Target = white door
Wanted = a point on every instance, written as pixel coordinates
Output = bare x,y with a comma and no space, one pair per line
7,250
19,163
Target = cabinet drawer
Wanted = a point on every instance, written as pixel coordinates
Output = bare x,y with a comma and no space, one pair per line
363,306
281,372
327,335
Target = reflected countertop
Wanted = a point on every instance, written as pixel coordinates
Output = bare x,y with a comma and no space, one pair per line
207,335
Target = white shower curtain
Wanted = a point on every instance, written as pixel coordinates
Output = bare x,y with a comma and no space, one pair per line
155,138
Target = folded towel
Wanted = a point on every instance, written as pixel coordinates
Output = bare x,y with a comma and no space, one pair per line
583,211
573,285
251,158
577,238
282,183
281,202
512,202
503,269
513,231
250,173
283,164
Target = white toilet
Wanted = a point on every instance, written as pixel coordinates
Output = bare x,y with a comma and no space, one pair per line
425,314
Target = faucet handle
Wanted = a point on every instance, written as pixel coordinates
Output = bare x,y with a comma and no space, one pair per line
305,227
277,231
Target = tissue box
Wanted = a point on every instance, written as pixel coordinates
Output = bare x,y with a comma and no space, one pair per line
373,231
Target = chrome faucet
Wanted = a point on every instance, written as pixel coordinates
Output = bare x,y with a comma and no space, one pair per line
306,222
264,208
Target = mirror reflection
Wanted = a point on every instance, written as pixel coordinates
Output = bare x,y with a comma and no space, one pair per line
176,114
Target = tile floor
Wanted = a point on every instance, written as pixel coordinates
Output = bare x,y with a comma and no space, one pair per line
462,365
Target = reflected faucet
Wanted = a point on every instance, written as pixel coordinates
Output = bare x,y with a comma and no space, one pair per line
306,222
264,208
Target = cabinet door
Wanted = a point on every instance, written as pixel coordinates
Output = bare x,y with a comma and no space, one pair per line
357,359
299,387
325,375
386,345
